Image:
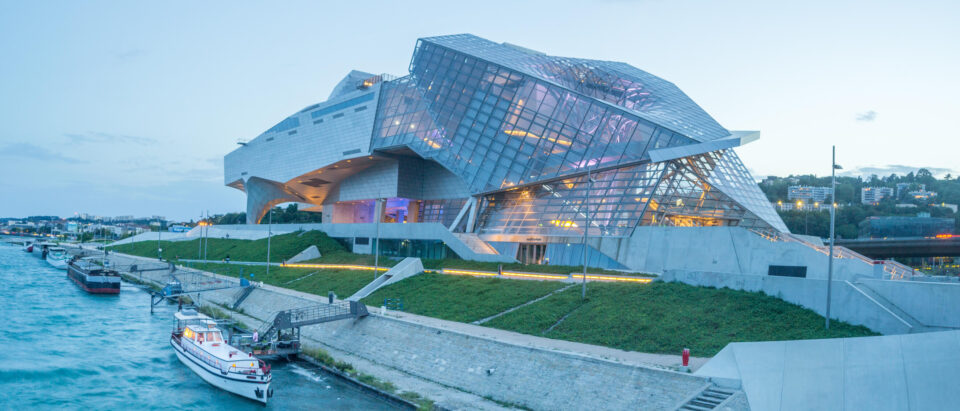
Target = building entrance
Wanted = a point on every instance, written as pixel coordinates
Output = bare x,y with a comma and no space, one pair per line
531,253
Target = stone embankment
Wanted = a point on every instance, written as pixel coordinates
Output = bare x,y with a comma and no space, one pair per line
462,366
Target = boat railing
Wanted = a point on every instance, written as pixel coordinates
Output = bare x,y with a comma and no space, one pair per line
225,366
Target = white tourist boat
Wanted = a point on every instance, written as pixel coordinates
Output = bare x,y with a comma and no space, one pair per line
58,258
199,344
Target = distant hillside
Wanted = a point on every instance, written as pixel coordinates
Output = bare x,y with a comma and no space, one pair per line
851,213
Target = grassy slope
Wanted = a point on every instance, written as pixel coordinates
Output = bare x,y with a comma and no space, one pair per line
666,317
658,317
460,298
281,247
287,245
342,282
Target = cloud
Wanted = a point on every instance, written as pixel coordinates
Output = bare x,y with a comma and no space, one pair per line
893,169
26,150
867,117
96,137
127,55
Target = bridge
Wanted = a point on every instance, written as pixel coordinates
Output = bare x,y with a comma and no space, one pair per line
280,338
880,248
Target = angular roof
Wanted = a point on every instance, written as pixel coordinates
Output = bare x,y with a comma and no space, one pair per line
641,93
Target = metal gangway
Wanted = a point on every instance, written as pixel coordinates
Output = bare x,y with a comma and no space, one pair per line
185,281
281,336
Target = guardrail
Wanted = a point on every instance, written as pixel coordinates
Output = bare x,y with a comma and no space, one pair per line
544,276
897,271
479,273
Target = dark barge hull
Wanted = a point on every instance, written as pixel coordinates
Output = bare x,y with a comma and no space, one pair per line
94,287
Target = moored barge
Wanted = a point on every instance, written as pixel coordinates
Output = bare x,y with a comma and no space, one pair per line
93,278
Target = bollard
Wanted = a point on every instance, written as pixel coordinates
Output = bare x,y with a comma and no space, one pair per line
686,357
330,297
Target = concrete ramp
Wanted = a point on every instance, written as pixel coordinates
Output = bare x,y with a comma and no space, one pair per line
476,244
896,372
409,267
308,253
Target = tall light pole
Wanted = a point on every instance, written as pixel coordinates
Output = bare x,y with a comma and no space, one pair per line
159,250
833,212
206,238
269,234
200,243
376,245
586,228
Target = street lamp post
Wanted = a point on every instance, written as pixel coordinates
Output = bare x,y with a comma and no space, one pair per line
159,250
200,243
269,234
206,237
586,228
376,244
833,212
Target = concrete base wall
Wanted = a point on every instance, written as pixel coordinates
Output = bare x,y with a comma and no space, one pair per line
932,304
731,250
847,302
534,378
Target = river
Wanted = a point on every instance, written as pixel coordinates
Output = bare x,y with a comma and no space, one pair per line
61,348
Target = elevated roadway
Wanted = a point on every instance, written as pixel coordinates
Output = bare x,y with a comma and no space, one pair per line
882,248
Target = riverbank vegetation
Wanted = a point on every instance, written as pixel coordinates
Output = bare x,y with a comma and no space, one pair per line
282,247
309,280
461,298
285,246
657,317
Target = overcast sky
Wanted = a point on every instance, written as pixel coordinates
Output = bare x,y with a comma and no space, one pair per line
118,108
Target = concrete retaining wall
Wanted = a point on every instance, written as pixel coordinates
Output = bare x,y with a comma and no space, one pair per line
732,250
534,378
933,304
847,303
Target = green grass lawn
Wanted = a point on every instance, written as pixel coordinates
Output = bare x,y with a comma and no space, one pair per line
342,282
667,317
461,298
282,247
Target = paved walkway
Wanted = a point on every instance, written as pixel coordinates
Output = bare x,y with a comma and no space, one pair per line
890,372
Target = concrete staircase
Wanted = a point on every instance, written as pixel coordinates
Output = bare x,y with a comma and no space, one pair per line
473,241
914,325
243,296
710,398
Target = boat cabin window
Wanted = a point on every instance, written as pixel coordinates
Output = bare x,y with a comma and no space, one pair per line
212,337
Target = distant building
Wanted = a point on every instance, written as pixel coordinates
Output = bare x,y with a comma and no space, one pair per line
901,187
922,194
945,205
178,228
882,227
808,193
801,205
873,195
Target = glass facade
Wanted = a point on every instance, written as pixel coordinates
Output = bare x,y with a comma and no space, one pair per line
497,128
521,128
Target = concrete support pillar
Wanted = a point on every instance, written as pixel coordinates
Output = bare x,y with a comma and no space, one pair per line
472,217
263,194
413,212
383,209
